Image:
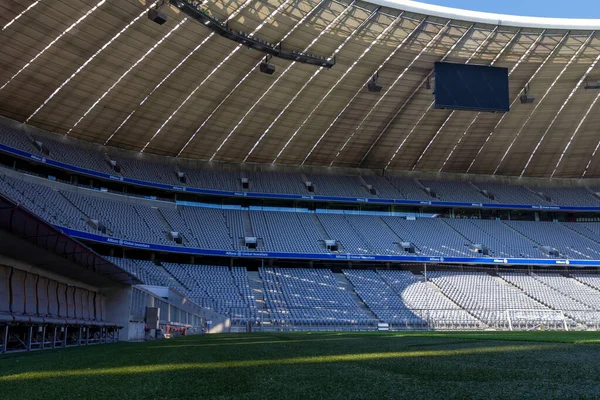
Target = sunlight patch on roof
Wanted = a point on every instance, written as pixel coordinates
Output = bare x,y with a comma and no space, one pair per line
337,50
162,39
450,50
12,21
441,128
300,22
281,76
536,106
496,58
525,55
73,25
233,15
88,61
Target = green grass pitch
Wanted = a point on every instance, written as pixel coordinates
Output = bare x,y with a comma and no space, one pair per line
439,365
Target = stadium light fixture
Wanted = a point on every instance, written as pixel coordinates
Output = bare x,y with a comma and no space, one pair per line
450,50
398,78
298,24
594,85
266,67
566,66
156,16
206,78
374,86
239,123
526,98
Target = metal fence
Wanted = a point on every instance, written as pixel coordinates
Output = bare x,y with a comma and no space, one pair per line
439,320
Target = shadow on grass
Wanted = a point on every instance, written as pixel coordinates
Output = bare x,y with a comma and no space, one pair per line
301,365
330,358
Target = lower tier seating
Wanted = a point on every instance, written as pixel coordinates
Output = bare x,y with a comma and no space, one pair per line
308,298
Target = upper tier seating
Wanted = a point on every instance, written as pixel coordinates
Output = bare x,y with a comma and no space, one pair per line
511,194
573,196
277,182
432,237
154,169
569,243
455,191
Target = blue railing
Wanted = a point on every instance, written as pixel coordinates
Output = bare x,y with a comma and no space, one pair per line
329,256
212,192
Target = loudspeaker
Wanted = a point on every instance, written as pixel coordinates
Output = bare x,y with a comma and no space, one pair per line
527,99
266,68
374,87
157,17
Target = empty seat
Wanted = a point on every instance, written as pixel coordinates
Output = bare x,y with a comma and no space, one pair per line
61,294
78,304
71,315
5,316
31,301
42,297
17,291
54,304
85,311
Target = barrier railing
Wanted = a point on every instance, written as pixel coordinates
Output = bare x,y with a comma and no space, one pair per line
438,320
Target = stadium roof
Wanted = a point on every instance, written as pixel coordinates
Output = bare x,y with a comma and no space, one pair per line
99,70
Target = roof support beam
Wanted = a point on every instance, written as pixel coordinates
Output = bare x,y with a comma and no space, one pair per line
299,23
396,49
331,89
581,121
239,123
235,50
534,108
577,129
398,78
564,104
539,103
150,50
89,60
523,57
450,50
441,128
73,25
496,58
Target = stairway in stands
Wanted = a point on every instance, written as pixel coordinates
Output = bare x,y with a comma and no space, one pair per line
256,285
345,283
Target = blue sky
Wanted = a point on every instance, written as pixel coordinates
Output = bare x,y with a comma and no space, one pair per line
535,8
